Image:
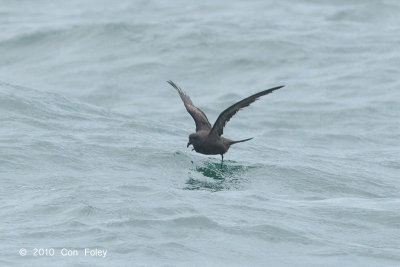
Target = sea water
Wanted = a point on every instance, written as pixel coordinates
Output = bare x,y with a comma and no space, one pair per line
94,169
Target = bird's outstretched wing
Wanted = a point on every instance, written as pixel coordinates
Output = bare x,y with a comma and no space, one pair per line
199,117
228,113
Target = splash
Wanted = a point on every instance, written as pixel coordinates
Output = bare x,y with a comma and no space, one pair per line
210,176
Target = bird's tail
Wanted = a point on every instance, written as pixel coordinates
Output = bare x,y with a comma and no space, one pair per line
244,140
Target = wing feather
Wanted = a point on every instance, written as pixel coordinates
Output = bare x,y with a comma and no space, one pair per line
197,114
228,113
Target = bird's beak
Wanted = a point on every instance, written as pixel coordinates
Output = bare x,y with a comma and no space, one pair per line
188,144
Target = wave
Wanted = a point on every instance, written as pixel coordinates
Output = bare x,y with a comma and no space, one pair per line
43,129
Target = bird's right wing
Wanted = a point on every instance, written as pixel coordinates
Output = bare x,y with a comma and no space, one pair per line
199,117
227,114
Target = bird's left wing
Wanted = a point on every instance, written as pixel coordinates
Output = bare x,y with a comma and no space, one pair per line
228,113
199,117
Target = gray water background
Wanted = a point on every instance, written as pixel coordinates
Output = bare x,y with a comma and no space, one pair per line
93,140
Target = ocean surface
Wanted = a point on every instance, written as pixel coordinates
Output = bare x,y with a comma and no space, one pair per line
93,140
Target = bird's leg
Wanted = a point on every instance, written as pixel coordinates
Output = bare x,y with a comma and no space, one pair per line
222,155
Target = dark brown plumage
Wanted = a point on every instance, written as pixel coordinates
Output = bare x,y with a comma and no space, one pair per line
209,140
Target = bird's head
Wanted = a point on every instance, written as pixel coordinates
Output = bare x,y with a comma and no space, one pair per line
193,139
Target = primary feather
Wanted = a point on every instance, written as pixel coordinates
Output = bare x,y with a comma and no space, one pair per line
227,114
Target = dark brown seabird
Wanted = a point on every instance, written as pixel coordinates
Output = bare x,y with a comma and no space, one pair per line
207,140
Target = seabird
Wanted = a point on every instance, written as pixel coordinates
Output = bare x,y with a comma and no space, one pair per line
208,140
